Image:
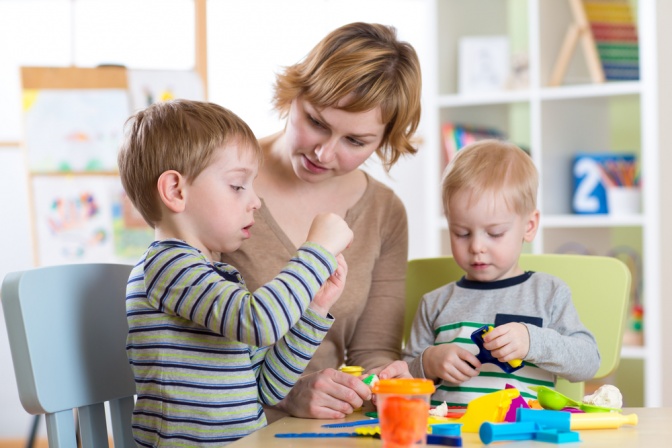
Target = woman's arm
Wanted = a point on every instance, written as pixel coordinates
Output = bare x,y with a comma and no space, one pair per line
377,338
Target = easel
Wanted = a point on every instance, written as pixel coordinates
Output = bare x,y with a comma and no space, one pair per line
115,77
578,29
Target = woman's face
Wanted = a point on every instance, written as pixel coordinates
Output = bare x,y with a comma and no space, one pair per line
330,142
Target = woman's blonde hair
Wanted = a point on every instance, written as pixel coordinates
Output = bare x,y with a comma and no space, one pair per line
493,166
178,135
366,63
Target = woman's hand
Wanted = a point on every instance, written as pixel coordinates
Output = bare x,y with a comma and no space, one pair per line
325,394
396,369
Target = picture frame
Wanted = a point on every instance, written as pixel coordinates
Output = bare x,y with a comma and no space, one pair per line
484,64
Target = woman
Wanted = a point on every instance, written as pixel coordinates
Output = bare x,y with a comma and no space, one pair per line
357,92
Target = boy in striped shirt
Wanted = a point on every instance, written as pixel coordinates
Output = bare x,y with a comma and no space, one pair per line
206,352
489,197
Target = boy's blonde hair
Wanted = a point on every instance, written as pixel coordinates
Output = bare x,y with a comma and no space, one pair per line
366,63
493,166
178,135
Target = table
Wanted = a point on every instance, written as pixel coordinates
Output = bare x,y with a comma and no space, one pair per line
654,429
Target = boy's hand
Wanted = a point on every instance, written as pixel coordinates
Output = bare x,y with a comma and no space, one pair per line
450,362
508,342
331,232
331,290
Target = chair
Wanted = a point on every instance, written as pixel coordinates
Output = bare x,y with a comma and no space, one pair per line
600,291
67,334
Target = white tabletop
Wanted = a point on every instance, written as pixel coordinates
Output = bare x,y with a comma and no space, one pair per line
653,429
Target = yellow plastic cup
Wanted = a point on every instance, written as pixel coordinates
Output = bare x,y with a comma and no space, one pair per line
354,371
403,411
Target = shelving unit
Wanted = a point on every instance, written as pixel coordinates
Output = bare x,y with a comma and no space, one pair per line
555,123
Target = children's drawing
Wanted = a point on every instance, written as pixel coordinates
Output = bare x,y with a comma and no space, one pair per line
72,219
151,86
132,235
81,219
74,130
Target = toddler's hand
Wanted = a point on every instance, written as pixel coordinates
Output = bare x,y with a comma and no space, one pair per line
331,290
508,342
330,231
450,362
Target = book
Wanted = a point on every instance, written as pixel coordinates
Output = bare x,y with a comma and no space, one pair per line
613,27
456,136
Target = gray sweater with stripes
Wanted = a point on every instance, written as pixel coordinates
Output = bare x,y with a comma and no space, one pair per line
561,346
206,352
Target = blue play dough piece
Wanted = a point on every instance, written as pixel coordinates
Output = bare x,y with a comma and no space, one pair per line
484,354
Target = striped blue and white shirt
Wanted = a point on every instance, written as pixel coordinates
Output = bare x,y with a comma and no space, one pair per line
207,353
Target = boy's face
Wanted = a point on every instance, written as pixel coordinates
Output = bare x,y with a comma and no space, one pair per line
221,201
486,237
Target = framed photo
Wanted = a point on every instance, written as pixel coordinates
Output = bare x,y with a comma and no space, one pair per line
484,64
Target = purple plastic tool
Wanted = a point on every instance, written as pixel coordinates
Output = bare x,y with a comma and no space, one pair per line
518,402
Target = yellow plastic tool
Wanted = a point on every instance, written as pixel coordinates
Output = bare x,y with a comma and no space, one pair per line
514,362
601,420
488,408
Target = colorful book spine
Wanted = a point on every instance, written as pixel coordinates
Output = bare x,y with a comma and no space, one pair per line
456,136
613,27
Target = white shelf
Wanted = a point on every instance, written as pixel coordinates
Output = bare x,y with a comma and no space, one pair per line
606,89
575,221
578,221
503,97
633,352
558,123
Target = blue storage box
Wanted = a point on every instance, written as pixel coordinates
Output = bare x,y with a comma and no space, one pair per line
590,184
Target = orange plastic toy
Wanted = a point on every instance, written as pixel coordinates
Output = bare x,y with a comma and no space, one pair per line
403,410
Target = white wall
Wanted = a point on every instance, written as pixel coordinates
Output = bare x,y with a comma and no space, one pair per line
246,49
248,41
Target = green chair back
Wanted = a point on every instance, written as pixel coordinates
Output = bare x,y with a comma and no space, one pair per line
600,291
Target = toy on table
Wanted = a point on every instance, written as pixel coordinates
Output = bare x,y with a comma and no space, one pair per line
551,426
491,407
432,439
446,429
354,371
607,396
371,380
545,426
518,402
484,354
598,420
369,432
554,400
442,410
372,421
403,409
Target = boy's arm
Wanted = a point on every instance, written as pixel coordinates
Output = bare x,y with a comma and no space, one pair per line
421,337
180,282
565,347
279,366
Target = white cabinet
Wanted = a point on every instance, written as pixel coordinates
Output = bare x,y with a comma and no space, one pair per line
554,123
